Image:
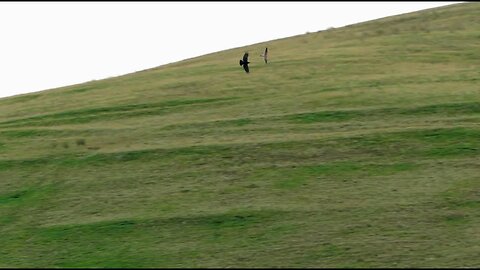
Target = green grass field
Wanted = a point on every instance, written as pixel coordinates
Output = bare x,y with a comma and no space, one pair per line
354,147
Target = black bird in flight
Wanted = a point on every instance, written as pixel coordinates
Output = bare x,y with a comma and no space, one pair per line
265,55
245,62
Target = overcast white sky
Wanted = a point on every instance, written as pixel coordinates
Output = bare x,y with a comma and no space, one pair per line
46,45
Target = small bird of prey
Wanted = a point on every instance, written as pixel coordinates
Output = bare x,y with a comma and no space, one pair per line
265,55
245,62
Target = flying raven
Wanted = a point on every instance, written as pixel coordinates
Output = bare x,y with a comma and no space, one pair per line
245,62
265,54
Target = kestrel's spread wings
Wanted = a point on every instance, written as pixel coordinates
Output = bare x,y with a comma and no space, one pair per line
265,55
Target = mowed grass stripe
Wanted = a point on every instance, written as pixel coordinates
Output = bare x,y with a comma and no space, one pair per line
337,116
405,144
109,113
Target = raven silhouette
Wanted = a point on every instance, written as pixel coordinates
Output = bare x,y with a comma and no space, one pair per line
245,62
265,55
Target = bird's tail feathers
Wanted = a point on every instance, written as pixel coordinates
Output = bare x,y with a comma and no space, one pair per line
241,62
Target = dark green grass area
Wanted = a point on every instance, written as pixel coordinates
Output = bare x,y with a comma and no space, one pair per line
173,241
438,110
104,114
355,147
266,216
396,145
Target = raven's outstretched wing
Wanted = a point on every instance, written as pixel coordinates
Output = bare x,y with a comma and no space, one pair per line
245,58
245,66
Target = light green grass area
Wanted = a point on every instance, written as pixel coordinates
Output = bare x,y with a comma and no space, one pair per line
353,147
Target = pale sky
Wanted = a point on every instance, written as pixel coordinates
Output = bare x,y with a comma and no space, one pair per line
45,45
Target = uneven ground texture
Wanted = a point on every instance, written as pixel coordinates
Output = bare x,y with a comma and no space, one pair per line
353,147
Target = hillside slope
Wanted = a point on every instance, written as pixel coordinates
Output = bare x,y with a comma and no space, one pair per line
354,147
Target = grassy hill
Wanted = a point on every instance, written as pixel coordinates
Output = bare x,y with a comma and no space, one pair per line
354,147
